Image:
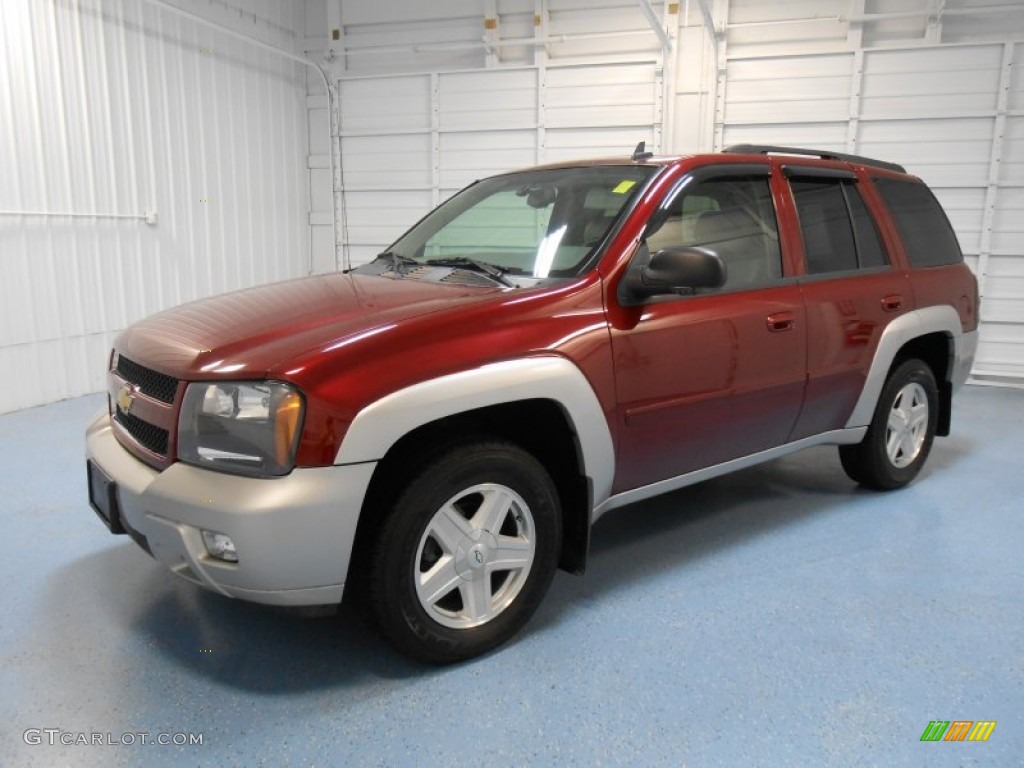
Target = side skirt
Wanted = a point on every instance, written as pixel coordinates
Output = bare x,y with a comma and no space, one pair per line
849,436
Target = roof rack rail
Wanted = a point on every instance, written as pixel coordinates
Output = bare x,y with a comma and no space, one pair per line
762,149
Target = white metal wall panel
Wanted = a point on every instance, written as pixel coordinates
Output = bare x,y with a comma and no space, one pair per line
403,44
932,82
806,89
936,110
946,152
387,161
598,27
827,136
378,217
601,96
769,28
116,108
574,143
1001,351
409,142
382,105
601,110
467,156
386,152
469,101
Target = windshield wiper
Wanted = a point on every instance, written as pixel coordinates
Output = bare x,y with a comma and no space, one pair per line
491,270
396,259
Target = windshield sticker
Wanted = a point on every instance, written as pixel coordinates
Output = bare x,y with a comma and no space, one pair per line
624,187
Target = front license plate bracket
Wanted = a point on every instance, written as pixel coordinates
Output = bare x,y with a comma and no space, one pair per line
103,497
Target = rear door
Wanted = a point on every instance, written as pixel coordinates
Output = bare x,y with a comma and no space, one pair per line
851,289
713,376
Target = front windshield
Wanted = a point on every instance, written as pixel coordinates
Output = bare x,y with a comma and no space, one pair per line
542,223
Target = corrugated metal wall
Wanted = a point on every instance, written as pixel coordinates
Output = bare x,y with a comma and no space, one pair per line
116,108
411,141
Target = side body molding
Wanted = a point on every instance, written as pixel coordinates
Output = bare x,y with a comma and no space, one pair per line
381,424
940,319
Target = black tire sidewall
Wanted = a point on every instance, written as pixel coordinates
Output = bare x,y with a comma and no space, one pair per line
395,603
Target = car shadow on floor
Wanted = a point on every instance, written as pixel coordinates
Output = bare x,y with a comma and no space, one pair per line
275,651
681,529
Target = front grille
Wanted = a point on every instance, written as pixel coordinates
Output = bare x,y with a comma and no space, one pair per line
159,386
149,436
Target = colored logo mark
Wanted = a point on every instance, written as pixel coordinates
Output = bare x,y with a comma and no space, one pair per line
958,730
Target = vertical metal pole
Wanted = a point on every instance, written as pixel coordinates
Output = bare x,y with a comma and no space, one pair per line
994,162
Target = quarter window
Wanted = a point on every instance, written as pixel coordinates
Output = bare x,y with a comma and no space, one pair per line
924,229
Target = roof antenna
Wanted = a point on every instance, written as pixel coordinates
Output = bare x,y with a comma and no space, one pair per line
640,154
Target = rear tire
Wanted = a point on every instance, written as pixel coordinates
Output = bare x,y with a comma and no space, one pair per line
466,554
900,436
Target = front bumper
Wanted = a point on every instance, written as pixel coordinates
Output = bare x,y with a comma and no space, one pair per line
293,534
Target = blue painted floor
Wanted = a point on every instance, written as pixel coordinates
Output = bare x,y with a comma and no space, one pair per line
780,616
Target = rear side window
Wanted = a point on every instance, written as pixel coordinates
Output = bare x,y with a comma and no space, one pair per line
838,232
924,229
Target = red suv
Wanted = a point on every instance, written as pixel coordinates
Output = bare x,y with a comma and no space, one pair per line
436,432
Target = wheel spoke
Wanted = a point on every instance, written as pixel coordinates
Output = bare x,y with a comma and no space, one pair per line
511,554
492,511
892,446
918,415
909,445
438,581
476,597
896,420
449,528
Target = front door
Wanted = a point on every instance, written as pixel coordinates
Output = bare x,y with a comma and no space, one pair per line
719,374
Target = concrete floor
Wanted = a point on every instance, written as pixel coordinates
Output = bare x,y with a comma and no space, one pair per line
780,616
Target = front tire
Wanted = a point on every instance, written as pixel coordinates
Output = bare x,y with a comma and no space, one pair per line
900,436
467,554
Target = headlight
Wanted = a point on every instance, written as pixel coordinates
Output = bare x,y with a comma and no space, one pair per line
246,427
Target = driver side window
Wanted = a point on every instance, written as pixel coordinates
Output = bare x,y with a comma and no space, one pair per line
735,218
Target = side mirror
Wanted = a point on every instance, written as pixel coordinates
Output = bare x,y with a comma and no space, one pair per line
677,269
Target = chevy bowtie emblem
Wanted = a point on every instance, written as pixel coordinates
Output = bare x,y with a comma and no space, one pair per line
125,398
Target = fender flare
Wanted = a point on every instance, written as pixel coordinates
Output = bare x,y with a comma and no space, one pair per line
905,328
378,426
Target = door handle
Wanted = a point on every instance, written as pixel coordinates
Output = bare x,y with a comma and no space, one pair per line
780,321
892,303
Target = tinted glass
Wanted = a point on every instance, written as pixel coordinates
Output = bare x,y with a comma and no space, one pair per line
546,222
735,218
869,245
924,229
825,223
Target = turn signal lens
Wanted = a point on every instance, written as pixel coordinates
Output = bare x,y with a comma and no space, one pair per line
286,426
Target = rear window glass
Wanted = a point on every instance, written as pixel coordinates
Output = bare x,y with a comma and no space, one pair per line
924,229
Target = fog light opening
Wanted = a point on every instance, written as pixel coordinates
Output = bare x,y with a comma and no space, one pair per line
220,546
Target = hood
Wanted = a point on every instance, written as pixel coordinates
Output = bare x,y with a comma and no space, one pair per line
252,332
